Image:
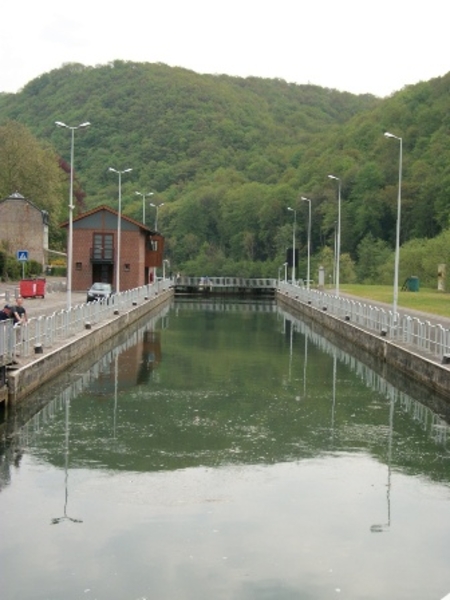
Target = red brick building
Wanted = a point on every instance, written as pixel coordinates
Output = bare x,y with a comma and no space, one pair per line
95,250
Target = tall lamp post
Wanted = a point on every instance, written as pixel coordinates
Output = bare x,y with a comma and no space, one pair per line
144,196
71,207
338,241
293,243
165,262
119,219
397,236
156,206
309,241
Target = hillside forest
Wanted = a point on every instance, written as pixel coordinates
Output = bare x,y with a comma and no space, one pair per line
225,158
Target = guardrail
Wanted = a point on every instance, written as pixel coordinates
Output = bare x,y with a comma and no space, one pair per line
432,338
47,330
226,282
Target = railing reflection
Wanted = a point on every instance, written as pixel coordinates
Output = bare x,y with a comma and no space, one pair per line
437,428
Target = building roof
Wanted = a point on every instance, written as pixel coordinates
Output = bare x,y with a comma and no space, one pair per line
103,207
17,196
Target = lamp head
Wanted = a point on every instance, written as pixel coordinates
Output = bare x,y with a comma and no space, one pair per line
388,134
333,177
60,124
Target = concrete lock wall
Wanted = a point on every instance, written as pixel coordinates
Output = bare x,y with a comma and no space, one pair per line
417,368
26,380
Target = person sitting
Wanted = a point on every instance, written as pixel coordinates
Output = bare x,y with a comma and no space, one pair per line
6,313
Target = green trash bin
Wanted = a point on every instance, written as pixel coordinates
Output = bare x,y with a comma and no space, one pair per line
413,284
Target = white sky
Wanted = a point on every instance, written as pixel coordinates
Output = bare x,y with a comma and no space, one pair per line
357,46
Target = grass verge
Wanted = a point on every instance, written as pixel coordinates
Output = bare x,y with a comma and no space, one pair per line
425,300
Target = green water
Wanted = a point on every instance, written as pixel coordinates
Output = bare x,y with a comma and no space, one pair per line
226,451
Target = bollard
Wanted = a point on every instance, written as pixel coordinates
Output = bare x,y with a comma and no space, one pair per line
38,349
87,325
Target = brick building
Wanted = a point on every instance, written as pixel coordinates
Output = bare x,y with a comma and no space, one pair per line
95,250
24,226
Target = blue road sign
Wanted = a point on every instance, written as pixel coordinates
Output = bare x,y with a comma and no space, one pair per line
22,255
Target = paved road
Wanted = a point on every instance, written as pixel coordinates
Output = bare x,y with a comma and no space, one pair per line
55,297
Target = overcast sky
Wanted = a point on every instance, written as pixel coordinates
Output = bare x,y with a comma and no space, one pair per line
357,46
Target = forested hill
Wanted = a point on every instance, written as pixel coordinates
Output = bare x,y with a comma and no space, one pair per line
171,124
228,155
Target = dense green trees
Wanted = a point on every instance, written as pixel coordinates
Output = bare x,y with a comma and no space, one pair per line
227,156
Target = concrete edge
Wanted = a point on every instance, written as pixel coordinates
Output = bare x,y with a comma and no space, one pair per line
27,379
432,375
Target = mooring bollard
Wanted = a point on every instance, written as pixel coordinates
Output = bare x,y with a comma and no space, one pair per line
38,349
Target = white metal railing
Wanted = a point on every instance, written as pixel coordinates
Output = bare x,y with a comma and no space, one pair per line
432,338
47,330
225,282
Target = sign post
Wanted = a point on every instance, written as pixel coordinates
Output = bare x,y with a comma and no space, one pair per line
22,256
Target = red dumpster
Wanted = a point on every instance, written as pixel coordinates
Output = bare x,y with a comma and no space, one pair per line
28,288
40,287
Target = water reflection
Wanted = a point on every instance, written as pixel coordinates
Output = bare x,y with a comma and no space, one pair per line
65,516
379,528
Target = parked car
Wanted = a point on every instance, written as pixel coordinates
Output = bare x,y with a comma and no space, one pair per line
99,291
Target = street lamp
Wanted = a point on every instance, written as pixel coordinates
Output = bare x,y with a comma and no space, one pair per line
338,241
397,237
119,219
71,207
293,243
156,206
165,262
279,273
309,241
144,196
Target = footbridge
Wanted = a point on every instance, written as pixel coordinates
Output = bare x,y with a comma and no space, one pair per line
224,285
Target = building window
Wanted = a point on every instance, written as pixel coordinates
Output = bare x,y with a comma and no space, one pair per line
78,266
127,267
103,246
